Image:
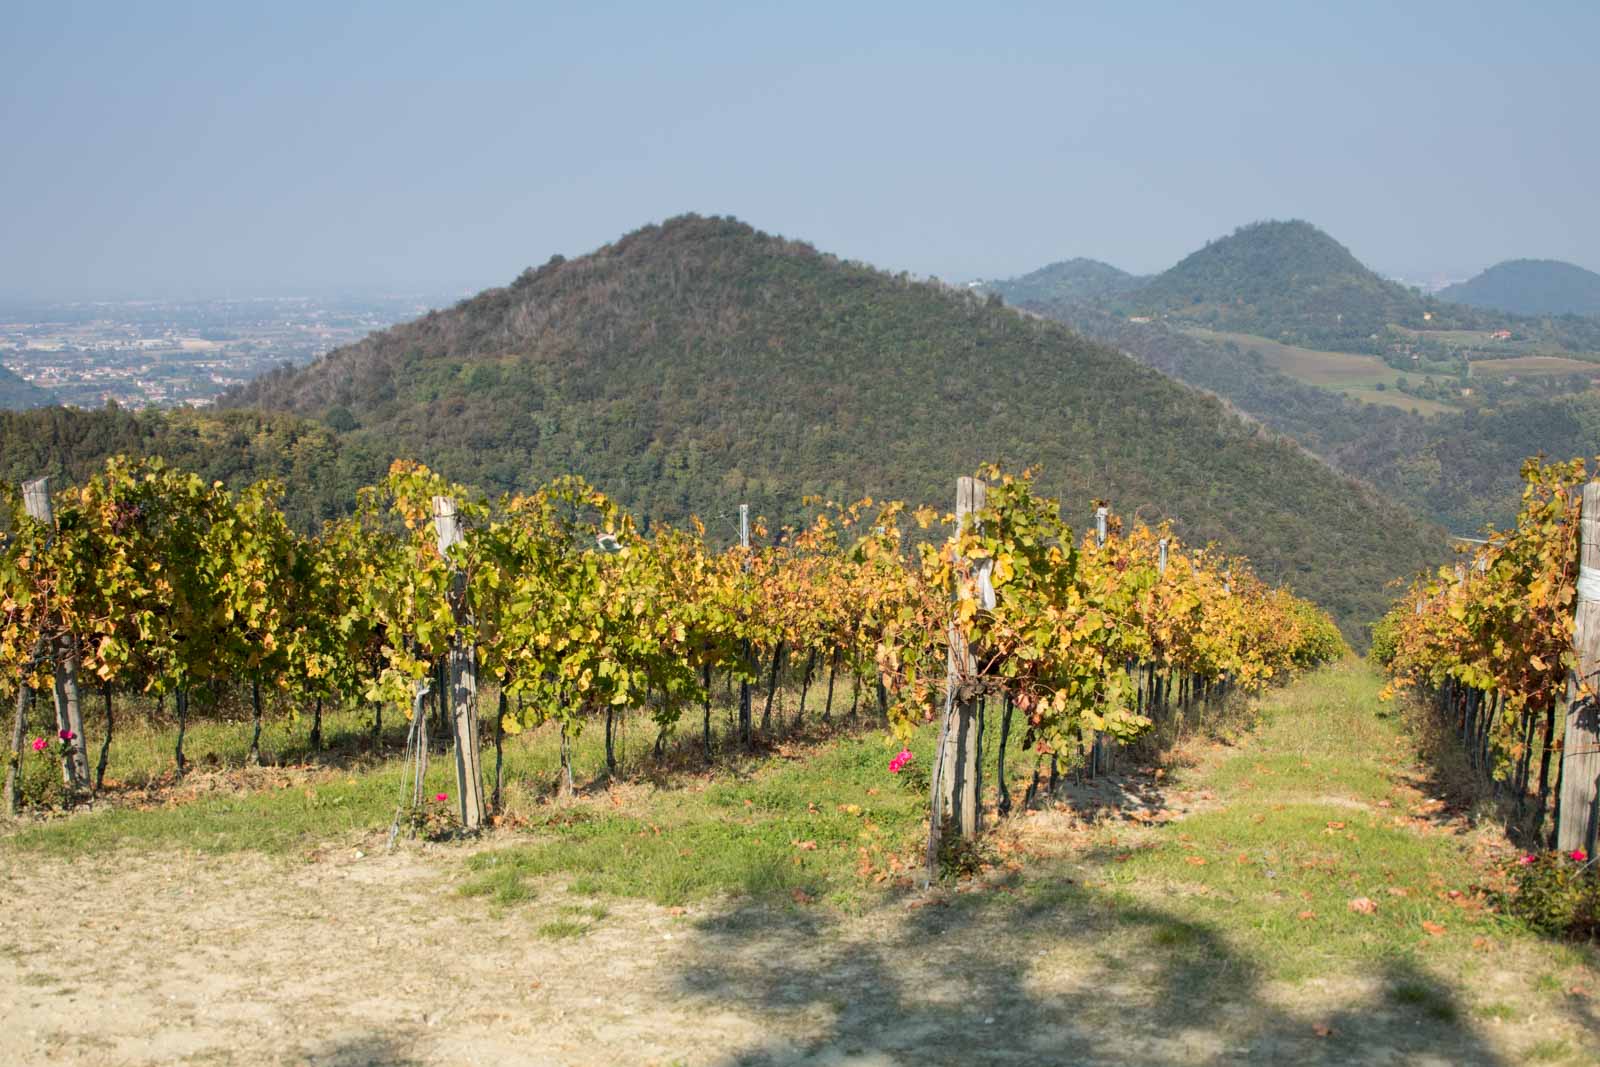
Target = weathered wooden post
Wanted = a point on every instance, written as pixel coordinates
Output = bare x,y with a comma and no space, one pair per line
744,682
1158,684
957,770
69,710
1100,750
463,678
1580,749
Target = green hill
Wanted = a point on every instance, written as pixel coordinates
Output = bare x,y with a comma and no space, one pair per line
322,472
1290,281
1531,287
1458,469
695,365
17,393
1072,281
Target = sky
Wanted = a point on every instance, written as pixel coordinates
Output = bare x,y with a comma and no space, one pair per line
212,149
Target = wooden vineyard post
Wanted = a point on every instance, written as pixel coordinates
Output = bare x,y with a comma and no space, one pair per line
957,772
1158,683
1100,753
463,689
1580,748
69,708
744,683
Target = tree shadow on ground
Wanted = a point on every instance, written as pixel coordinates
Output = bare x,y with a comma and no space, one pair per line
362,1050
1052,974
1123,792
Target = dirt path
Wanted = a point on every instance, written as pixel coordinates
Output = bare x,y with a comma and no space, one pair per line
372,961
361,958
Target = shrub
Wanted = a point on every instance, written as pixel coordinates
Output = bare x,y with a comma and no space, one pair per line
1556,892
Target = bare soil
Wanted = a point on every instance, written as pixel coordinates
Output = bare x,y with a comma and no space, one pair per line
355,957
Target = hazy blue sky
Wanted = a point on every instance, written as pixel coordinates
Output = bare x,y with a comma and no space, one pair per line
295,146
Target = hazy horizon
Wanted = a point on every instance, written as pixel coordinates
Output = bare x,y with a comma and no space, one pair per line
165,150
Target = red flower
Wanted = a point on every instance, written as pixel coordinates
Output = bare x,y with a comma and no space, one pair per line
1579,855
441,797
39,744
1528,860
898,763
67,735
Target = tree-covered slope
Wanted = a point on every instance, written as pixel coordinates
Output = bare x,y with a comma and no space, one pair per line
1459,469
1071,281
17,393
1289,281
320,472
1530,287
1292,282
698,364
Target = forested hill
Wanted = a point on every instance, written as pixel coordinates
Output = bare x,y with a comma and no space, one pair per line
1291,282
1458,469
1072,281
320,472
17,393
695,365
1531,287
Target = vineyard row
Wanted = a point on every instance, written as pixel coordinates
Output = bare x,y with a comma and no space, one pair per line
148,578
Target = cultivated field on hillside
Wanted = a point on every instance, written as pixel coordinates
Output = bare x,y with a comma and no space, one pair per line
1356,376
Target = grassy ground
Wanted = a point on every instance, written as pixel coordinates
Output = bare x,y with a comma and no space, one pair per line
695,828
1325,809
1294,886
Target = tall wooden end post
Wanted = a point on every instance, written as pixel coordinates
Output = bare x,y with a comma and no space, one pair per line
463,668
69,708
958,768
1580,749
1100,752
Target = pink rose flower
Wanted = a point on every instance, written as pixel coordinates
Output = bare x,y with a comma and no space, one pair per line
1527,860
1579,855
67,735
40,744
897,764
441,797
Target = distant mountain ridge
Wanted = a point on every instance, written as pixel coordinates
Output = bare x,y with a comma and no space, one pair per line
1284,280
694,365
1291,282
1530,287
